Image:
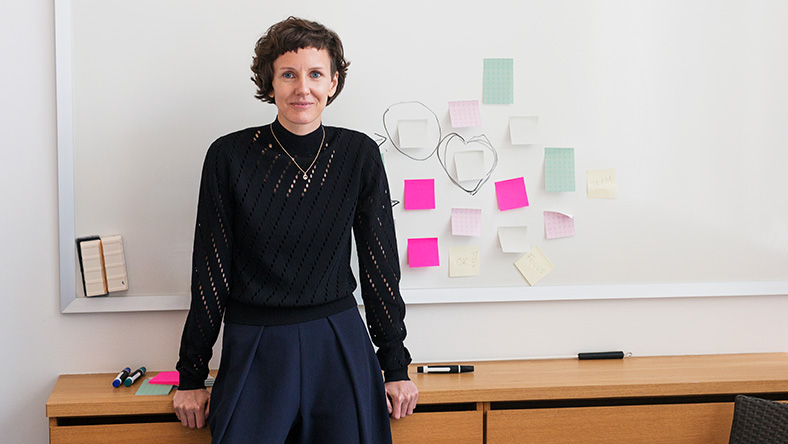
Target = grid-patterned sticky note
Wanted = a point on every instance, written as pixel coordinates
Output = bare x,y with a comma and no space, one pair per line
557,225
463,261
465,113
559,169
534,265
420,194
498,81
423,252
466,222
511,194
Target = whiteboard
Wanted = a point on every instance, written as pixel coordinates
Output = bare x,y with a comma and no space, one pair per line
685,100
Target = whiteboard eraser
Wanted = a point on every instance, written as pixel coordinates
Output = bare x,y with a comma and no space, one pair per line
114,263
94,279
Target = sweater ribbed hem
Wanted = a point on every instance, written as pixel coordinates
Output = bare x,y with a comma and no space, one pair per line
249,314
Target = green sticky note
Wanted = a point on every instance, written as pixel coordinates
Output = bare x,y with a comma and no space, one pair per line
153,389
498,81
559,169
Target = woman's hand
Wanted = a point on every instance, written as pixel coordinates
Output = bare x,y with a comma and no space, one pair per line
401,397
191,407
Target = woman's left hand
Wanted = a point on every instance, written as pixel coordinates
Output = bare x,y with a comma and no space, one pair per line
401,397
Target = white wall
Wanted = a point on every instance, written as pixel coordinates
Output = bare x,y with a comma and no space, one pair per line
38,343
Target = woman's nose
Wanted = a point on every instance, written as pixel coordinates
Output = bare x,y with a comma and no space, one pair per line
302,87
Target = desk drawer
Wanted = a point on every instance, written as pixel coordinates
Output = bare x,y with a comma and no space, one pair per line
463,427
643,424
160,433
439,428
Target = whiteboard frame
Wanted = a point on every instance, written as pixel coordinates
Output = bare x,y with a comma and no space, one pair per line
70,303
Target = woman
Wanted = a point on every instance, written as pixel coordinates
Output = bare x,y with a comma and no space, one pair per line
272,258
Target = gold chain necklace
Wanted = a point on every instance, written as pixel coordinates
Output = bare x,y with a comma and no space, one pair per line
305,171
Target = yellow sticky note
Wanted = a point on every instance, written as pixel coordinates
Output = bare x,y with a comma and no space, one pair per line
534,265
463,261
602,184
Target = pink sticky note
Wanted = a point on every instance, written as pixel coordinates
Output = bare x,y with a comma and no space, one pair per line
558,225
465,113
466,222
423,252
420,194
511,194
166,378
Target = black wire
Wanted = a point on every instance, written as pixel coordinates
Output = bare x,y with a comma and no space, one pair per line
481,139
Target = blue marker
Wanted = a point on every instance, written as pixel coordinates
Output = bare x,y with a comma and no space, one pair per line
134,376
121,377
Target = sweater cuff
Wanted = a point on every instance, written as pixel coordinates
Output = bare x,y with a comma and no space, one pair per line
396,375
187,383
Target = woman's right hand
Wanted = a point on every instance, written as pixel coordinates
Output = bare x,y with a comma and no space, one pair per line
191,407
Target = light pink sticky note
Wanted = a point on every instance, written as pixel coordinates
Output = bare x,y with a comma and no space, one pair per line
558,225
465,113
420,194
166,378
466,222
511,194
423,252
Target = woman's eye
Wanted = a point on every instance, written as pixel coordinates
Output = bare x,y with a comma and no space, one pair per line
316,75
288,75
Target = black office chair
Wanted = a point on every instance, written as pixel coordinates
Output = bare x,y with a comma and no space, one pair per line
759,421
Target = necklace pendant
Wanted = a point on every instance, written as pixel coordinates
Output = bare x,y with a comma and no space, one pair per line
305,176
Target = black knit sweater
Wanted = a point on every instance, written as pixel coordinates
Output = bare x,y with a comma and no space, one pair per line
271,248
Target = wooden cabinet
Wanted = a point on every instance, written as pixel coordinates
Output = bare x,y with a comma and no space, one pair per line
642,424
676,399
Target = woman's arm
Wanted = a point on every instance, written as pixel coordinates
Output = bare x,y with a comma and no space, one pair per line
211,268
379,271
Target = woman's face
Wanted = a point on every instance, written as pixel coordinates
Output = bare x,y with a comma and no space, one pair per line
302,85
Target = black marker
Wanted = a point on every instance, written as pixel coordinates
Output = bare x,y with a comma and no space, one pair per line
134,376
445,369
121,377
601,355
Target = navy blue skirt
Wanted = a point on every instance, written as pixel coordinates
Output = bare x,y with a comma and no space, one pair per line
314,382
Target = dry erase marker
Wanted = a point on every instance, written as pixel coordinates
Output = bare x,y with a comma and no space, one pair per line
445,369
601,355
134,376
121,377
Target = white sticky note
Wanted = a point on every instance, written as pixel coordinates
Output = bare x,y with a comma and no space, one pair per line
601,184
534,265
524,130
413,133
514,239
466,222
463,261
470,165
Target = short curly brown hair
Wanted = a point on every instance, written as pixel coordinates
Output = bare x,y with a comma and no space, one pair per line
293,34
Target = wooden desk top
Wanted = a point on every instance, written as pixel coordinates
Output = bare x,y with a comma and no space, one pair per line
521,380
555,379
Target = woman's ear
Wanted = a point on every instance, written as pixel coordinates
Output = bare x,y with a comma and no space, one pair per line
334,84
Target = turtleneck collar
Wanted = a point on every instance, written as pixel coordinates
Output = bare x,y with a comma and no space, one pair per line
296,145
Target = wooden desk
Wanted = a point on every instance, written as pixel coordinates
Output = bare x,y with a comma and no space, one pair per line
681,399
